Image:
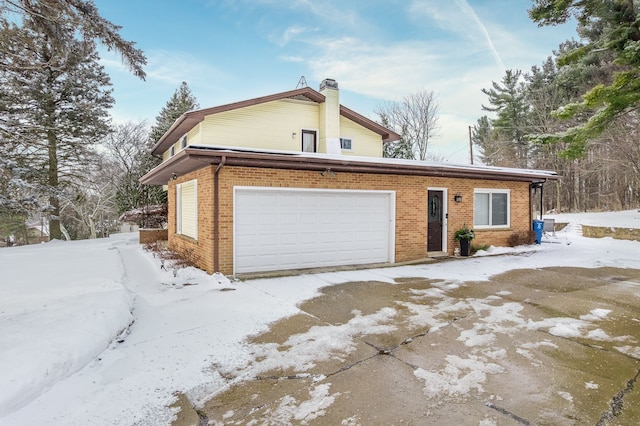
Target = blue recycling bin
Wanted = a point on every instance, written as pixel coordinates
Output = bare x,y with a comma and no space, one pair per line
538,227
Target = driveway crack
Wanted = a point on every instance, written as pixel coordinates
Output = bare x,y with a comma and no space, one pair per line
616,405
509,414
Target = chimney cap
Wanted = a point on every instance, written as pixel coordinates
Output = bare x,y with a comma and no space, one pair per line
329,83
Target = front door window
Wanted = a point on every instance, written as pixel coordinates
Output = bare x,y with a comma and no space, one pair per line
434,220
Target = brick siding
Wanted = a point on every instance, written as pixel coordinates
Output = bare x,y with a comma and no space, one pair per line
411,208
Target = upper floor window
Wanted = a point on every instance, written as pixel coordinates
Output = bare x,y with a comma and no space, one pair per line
183,142
172,150
309,138
491,208
346,144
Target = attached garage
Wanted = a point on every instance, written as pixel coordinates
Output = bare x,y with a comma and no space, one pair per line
294,228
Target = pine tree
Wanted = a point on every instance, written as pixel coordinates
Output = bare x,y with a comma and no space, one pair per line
507,99
611,29
55,112
53,18
181,101
397,149
484,137
53,99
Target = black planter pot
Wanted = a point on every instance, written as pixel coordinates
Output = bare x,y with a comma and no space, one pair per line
465,247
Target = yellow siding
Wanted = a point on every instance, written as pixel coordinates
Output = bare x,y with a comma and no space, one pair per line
188,209
194,137
322,138
271,125
365,142
265,126
167,154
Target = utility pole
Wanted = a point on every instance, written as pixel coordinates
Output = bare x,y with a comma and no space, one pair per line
470,145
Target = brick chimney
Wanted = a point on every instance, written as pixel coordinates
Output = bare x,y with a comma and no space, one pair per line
330,117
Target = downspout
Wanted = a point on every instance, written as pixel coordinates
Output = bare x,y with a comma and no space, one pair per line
216,215
541,186
535,186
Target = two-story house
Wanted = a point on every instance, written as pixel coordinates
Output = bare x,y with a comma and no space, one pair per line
295,180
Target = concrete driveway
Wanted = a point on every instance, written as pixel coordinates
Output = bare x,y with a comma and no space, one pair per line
556,346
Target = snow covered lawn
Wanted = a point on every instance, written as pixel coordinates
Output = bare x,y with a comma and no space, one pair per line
61,306
94,332
621,219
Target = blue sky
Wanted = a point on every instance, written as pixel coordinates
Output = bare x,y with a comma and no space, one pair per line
378,51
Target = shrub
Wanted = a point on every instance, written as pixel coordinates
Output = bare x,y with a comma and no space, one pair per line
171,259
475,248
464,233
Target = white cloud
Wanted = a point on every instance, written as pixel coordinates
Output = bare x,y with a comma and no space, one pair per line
290,34
455,51
393,70
456,17
174,67
468,11
292,58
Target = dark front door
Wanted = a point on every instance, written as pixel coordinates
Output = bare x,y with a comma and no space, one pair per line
434,219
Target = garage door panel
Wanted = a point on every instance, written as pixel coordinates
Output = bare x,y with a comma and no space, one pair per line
288,229
289,239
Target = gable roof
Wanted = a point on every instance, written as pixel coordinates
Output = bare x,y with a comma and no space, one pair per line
195,157
188,120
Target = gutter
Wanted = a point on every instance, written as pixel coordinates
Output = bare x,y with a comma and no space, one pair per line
191,159
216,215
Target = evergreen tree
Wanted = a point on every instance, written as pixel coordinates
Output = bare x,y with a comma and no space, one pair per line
397,149
181,101
611,29
52,113
507,99
484,137
52,97
53,18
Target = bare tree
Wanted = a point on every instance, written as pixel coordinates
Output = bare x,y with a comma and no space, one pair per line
416,119
128,152
89,204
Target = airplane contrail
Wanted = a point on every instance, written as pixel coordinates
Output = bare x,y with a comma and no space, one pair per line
466,8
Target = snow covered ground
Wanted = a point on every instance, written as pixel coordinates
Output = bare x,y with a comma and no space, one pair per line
95,332
622,219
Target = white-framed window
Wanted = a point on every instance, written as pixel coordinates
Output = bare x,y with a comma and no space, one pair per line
491,208
346,144
183,142
309,140
187,209
172,151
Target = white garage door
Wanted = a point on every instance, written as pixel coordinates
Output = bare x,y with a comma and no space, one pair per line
277,229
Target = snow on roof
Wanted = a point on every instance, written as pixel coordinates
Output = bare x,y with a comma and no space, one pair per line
195,157
380,160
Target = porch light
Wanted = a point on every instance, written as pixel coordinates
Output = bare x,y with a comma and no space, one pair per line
293,135
457,198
